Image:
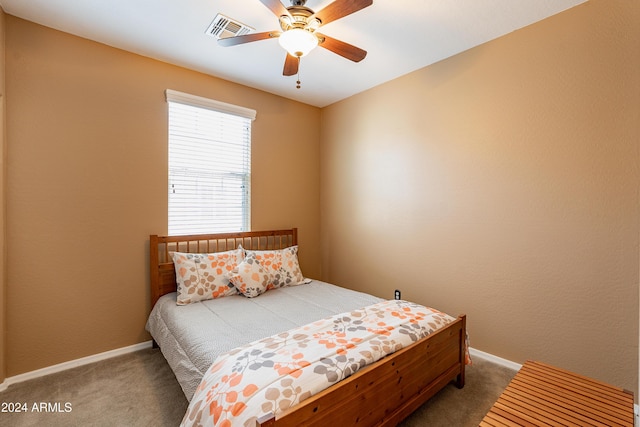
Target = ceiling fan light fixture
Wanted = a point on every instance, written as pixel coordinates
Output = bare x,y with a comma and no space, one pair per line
298,42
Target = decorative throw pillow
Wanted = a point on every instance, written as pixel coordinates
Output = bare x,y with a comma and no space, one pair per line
250,278
291,267
205,276
282,265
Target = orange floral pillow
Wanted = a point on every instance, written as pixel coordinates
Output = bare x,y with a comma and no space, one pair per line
282,265
250,278
205,276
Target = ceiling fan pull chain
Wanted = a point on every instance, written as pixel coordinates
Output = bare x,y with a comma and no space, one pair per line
298,81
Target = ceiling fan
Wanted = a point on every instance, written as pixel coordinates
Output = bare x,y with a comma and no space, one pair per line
299,36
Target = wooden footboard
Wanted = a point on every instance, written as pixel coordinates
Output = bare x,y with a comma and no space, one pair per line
386,392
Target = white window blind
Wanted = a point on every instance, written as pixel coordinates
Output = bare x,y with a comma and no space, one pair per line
209,165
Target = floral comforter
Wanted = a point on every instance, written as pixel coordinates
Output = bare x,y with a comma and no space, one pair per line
275,373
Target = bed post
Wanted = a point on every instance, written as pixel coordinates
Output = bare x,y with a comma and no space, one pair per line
463,351
154,273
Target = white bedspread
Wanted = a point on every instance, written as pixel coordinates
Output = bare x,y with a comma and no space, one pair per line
191,337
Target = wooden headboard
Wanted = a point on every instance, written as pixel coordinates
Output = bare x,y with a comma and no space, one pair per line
163,274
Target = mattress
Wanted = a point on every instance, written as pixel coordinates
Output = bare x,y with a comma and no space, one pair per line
191,337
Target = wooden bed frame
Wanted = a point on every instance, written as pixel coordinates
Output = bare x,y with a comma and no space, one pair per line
381,394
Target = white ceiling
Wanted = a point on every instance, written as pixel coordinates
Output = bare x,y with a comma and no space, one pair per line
399,37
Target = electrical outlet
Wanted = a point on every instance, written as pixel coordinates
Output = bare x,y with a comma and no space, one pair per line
397,294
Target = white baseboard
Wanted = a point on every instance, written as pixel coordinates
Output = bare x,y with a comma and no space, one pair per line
495,359
73,364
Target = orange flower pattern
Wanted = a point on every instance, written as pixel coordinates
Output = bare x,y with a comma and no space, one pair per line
205,276
275,373
250,278
282,266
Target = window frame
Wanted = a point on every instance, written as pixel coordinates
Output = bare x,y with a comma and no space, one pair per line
189,100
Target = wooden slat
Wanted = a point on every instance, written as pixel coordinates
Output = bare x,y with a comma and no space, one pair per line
543,410
599,390
495,420
516,417
579,411
544,395
601,399
571,398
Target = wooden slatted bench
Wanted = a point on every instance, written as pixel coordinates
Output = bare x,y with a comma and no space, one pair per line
542,395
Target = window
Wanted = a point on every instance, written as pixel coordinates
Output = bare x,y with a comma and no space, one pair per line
209,165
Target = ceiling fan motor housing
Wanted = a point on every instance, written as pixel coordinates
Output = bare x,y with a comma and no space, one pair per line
299,17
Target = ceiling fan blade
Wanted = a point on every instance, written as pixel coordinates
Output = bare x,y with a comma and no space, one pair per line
341,48
276,7
291,64
232,41
341,8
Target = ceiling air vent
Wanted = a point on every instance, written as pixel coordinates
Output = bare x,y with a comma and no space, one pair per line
223,26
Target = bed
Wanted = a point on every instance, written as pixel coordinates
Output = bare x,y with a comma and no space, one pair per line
381,393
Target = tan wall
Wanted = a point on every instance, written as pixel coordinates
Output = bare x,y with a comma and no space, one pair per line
502,183
3,276
87,155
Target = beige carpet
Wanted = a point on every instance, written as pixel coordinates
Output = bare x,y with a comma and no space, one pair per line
139,389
